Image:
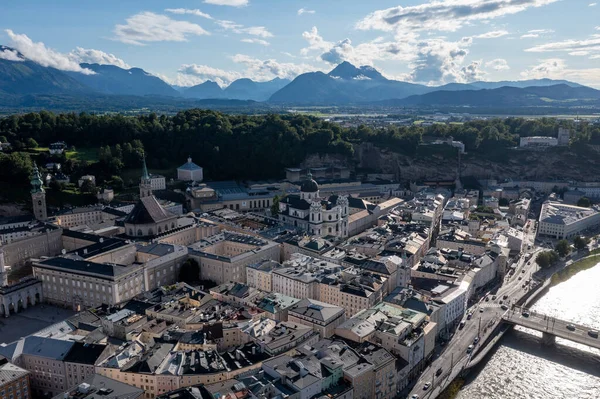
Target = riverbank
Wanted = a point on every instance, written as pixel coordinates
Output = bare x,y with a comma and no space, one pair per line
453,389
574,268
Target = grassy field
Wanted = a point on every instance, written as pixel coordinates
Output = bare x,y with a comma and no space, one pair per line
83,154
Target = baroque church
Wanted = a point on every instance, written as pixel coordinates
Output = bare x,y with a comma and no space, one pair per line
148,218
314,214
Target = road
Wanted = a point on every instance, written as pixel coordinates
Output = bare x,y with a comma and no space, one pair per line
557,327
482,323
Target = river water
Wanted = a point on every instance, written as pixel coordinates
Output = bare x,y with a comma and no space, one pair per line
522,368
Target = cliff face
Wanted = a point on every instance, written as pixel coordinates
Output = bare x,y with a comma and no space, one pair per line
560,163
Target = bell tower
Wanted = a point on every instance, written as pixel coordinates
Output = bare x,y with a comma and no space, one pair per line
145,182
38,195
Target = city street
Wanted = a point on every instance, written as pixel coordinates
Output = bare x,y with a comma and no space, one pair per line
455,357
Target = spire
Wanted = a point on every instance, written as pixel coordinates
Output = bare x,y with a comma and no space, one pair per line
145,175
37,186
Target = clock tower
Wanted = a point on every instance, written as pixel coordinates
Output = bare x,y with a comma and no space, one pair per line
145,182
38,195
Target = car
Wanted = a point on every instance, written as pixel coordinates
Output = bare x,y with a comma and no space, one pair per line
480,310
504,307
524,285
469,316
487,298
523,271
494,298
505,297
415,396
426,386
525,314
470,349
593,333
438,372
476,340
519,278
462,324
570,327
501,302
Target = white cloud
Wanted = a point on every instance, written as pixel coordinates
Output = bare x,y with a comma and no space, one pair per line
150,27
193,74
256,41
440,61
303,11
10,55
259,31
536,33
40,54
444,15
548,68
556,68
499,64
232,3
315,42
592,4
530,35
592,44
579,53
595,57
492,35
182,11
91,56
262,70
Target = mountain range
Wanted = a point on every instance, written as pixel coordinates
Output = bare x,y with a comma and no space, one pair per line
346,84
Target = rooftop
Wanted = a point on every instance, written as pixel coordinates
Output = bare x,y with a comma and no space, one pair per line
100,387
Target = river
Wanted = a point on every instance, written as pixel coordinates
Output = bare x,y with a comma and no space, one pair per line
522,368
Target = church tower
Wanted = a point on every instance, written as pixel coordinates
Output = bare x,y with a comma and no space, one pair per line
145,182
38,195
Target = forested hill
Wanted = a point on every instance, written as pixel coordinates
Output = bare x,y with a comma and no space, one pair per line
238,146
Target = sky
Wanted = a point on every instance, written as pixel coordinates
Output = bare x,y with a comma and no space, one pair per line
186,42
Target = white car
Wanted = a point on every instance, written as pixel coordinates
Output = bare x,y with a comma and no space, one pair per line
426,386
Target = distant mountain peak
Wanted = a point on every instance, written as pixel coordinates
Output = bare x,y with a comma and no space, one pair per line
347,71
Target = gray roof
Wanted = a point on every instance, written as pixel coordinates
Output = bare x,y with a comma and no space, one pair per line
316,310
189,165
9,372
82,266
148,211
37,346
104,388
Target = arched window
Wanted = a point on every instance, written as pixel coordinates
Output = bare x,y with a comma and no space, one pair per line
173,225
330,229
130,232
329,217
140,232
150,232
312,217
159,230
166,227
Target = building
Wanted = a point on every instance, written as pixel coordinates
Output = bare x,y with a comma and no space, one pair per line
44,359
88,178
224,257
18,295
148,217
57,148
313,214
158,182
38,195
538,141
558,220
320,316
14,381
564,136
189,171
108,272
100,387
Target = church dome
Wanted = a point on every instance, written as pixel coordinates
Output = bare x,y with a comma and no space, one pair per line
309,185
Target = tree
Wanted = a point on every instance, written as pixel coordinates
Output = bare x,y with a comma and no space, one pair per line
584,202
116,183
190,271
580,242
275,206
31,143
563,248
546,259
88,187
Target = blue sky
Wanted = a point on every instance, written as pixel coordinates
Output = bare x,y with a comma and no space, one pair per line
433,42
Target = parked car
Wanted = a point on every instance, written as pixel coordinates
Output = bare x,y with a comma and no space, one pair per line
426,386
570,327
470,349
469,315
593,333
504,307
438,372
494,298
476,340
525,314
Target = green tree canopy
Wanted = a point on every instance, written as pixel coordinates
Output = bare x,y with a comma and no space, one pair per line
563,248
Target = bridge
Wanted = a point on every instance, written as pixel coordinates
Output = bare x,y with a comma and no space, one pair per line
551,327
